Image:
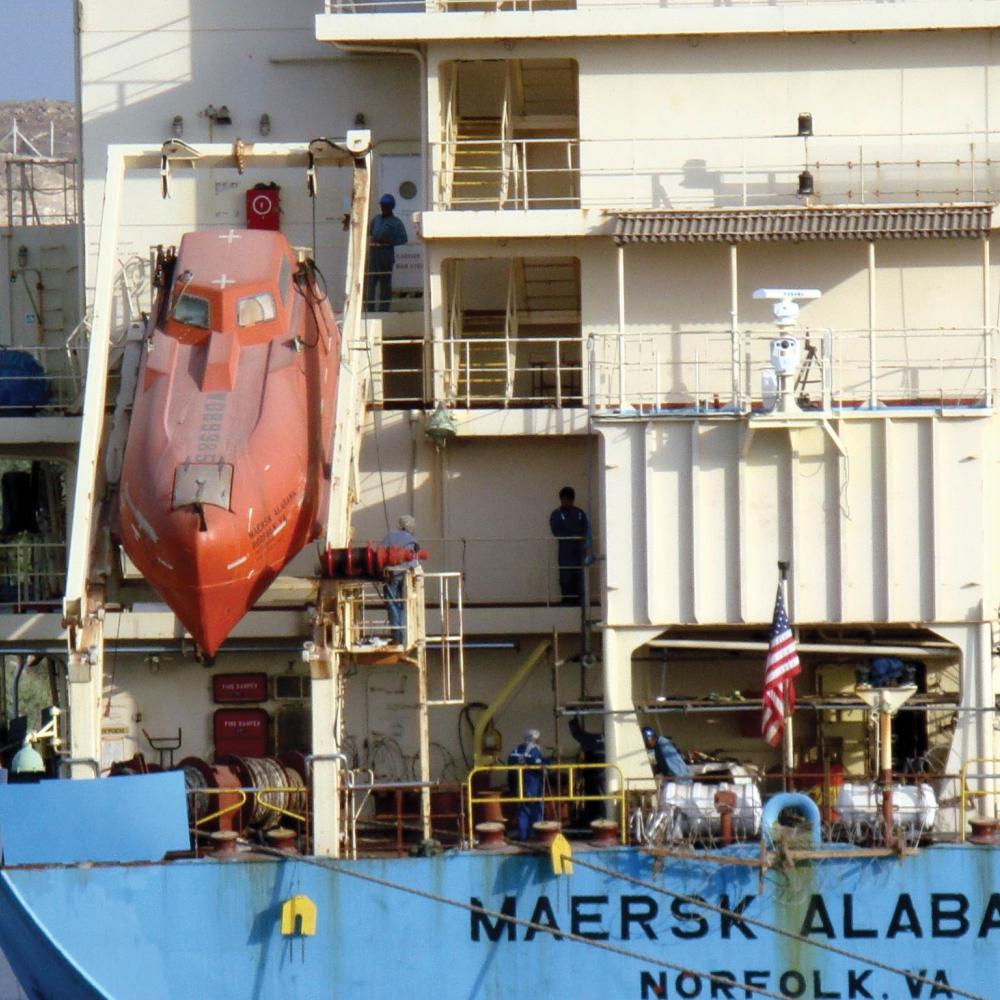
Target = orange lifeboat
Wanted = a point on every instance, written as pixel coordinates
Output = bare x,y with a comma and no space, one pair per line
226,470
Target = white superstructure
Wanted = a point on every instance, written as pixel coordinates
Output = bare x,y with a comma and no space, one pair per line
597,190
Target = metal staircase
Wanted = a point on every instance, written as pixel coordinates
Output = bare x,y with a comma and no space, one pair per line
478,163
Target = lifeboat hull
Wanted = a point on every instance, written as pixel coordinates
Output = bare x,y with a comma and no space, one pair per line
226,469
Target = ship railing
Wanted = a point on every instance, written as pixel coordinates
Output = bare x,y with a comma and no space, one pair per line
484,372
842,369
32,574
445,600
527,6
268,805
564,786
501,571
227,808
529,173
389,813
445,6
366,617
729,171
352,786
52,385
39,190
980,790
850,807
367,610
266,800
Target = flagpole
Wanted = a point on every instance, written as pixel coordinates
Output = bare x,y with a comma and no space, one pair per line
788,760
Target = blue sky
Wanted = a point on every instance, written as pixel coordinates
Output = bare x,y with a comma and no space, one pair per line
36,50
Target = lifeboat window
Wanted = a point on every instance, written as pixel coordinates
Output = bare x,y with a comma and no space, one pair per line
253,309
284,280
192,310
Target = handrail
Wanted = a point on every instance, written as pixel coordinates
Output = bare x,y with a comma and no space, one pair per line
505,138
966,793
286,790
631,371
571,770
655,370
527,6
643,173
447,177
65,762
239,792
510,330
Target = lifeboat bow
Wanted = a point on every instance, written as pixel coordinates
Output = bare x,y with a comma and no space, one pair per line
226,471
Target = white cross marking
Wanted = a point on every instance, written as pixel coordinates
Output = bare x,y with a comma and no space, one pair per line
230,236
223,281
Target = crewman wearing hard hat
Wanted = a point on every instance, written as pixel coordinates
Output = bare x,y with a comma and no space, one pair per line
386,233
526,753
667,758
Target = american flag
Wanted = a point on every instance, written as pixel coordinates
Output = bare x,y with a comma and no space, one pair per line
779,675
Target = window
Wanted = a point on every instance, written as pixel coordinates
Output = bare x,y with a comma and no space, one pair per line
192,310
253,309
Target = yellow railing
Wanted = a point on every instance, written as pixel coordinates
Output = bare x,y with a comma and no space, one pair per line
968,793
242,794
570,771
289,790
242,798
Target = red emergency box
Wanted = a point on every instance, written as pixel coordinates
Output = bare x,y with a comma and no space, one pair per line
240,732
264,207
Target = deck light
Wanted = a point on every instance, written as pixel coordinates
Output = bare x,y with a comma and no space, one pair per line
805,184
27,760
177,126
441,426
805,124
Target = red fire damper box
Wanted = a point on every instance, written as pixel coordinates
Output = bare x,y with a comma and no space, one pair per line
264,207
240,732
228,689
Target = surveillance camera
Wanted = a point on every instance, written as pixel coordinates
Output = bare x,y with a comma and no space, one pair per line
785,355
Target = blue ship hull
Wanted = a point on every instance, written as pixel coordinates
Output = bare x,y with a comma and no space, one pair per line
410,927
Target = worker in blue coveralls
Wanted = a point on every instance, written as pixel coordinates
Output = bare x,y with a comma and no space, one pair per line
570,525
528,752
395,576
386,233
592,745
668,760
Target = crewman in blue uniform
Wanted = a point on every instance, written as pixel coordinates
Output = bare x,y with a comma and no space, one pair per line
527,753
386,233
668,760
592,745
570,525
395,576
